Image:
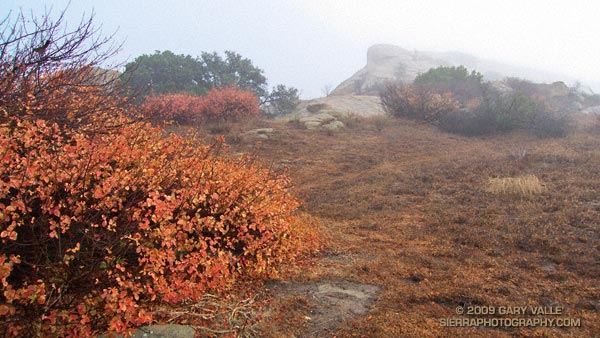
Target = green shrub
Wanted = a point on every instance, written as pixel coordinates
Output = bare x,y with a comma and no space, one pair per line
282,100
501,113
457,80
506,112
466,122
551,124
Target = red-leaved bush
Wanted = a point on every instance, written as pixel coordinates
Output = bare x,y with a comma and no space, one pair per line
95,229
228,103
219,104
104,220
179,108
106,223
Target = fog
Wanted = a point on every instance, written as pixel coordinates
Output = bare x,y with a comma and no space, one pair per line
311,44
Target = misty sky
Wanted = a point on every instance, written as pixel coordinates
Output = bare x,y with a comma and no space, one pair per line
309,44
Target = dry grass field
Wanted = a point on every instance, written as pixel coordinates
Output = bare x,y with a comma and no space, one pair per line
411,209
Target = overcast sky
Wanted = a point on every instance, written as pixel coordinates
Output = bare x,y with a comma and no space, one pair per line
313,43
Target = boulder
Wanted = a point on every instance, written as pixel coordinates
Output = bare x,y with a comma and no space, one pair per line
312,124
321,118
387,63
333,125
501,87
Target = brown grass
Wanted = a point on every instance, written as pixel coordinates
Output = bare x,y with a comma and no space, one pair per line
403,207
525,185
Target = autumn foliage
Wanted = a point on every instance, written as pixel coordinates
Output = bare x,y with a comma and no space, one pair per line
140,217
179,108
104,219
219,104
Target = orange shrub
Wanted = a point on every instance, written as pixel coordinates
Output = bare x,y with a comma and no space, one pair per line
219,104
180,108
67,97
97,228
104,220
228,103
94,229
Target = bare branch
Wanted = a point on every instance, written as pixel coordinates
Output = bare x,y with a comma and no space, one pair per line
42,56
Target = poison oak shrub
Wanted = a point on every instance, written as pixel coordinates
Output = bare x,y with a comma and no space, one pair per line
96,229
179,108
228,103
219,104
66,98
105,220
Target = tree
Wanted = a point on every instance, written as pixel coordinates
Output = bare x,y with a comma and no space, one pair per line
326,90
233,70
282,100
166,72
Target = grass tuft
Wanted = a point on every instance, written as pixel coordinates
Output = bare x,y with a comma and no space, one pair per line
526,185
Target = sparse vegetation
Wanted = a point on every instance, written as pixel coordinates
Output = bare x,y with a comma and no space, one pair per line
406,209
416,102
461,103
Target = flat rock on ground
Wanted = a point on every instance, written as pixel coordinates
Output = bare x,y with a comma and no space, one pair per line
161,331
332,302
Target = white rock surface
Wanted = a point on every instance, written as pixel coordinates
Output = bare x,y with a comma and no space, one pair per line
387,63
340,106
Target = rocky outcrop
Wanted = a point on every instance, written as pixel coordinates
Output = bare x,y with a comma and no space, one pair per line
392,63
322,120
340,106
387,63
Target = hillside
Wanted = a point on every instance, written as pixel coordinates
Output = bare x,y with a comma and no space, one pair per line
415,230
